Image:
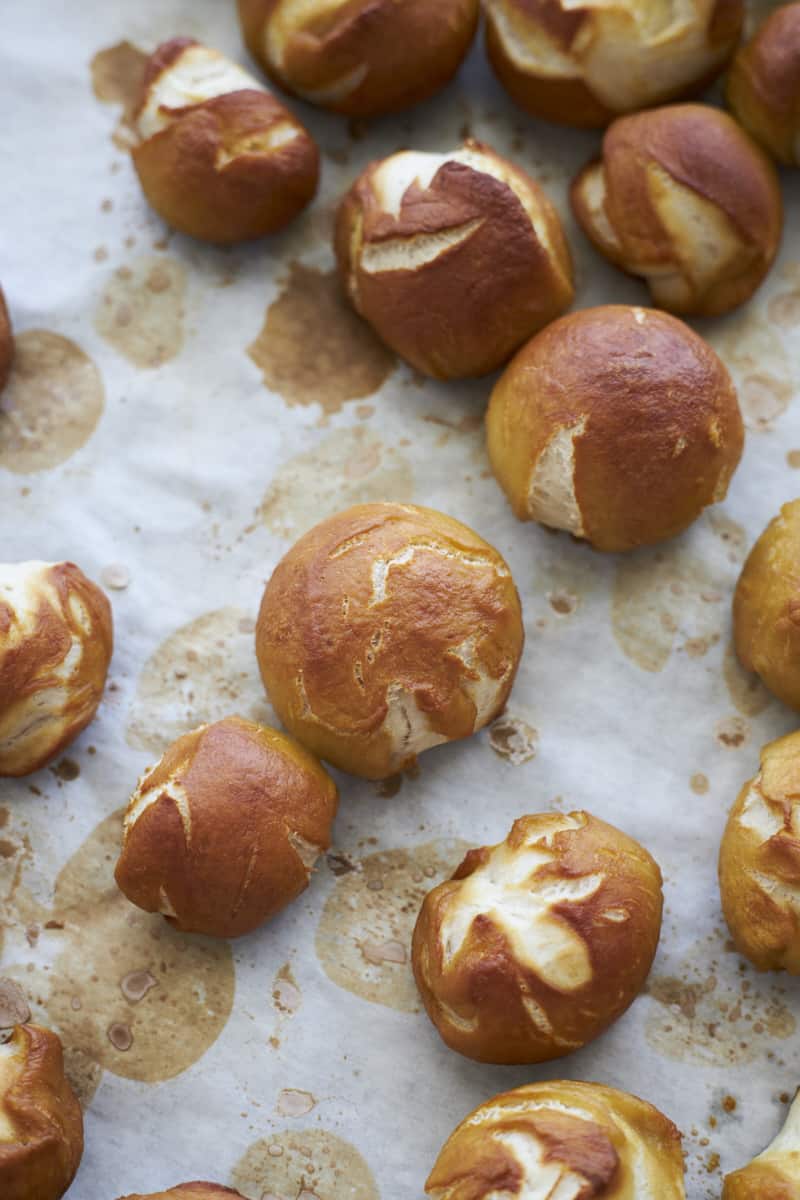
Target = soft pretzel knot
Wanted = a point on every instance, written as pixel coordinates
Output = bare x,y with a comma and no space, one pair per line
6,342
586,63
219,157
763,88
759,865
190,1191
386,630
685,198
775,1173
360,57
41,1124
454,259
537,944
766,607
55,648
579,1141
224,831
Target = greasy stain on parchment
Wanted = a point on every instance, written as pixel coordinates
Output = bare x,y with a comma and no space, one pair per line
364,935
755,356
513,738
309,1165
314,349
745,689
706,1015
51,405
203,672
352,466
141,310
286,1001
117,73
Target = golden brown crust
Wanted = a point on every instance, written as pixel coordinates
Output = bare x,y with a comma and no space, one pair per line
223,832
6,342
56,642
481,230
655,427
226,169
691,204
599,1143
354,57
759,861
763,88
586,66
189,1191
41,1124
385,630
537,945
766,607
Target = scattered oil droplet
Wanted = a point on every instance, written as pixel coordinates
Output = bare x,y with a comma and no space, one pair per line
116,576
201,673
117,74
513,739
67,770
376,906
14,1007
311,1162
699,784
292,1102
793,459
386,952
564,603
286,995
120,1037
732,732
51,405
352,466
136,984
745,689
141,310
314,349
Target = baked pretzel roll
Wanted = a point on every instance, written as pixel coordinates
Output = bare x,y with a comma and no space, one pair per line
386,630
775,1173
454,259
6,342
219,157
55,648
766,607
360,57
764,85
759,862
618,424
586,63
224,832
579,1141
41,1124
683,197
538,944
190,1191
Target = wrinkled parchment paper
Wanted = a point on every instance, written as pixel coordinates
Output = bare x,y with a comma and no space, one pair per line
177,417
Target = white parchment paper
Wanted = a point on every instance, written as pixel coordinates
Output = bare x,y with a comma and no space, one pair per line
294,1061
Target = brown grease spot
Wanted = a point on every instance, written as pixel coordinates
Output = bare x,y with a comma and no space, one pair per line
745,689
141,310
732,732
286,995
758,362
793,459
312,1162
699,784
373,906
117,74
201,673
729,1104
66,770
292,1102
120,1037
352,466
14,1008
563,603
314,349
51,405
513,739
136,984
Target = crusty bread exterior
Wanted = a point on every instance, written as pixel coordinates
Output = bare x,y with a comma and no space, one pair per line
763,88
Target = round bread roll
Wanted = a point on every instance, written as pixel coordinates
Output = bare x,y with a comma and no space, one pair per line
766,607
759,861
219,157
41,1124
764,85
538,944
386,630
190,1191
586,63
224,832
6,342
683,197
360,57
561,1139
454,259
55,648
617,424
775,1173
